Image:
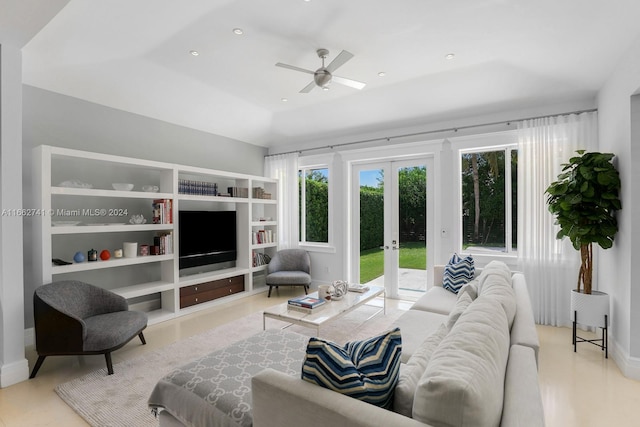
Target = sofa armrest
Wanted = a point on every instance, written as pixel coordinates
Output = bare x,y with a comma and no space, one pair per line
280,400
523,330
522,400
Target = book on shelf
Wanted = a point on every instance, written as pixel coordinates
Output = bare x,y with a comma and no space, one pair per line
163,243
306,302
260,258
238,192
262,236
354,287
162,211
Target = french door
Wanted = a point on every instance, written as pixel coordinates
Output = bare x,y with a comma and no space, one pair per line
391,225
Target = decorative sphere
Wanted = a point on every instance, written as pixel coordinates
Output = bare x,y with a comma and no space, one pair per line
105,255
79,257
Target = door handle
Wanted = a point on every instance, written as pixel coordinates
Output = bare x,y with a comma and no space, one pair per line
384,247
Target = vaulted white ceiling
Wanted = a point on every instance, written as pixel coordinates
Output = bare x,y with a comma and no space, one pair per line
135,56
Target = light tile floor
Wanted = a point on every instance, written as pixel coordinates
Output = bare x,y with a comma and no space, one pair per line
578,389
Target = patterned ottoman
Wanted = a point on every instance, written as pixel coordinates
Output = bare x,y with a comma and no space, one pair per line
215,390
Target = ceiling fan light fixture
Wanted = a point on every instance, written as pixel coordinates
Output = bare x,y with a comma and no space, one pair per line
322,77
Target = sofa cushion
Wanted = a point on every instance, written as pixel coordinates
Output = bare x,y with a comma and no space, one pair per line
463,384
463,302
470,288
458,272
496,284
366,370
436,300
416,326
411,372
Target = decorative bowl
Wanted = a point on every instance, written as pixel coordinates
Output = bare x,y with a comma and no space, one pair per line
150,188
122,186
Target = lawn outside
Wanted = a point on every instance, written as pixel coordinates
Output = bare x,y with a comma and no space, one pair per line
413,255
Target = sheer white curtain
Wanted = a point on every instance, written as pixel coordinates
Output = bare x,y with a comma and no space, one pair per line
550,265
284,167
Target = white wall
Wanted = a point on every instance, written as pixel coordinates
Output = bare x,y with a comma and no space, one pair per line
615,273
63,121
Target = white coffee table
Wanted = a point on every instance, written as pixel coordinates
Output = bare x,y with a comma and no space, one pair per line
329,311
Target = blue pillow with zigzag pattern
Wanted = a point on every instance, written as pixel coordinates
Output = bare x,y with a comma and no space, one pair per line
458,272
367,370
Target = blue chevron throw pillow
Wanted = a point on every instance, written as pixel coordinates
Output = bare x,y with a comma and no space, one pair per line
367,370
458,272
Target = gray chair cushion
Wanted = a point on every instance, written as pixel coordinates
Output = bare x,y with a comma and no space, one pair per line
110,330
288,278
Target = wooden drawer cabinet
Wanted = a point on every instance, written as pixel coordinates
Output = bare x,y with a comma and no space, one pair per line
203,292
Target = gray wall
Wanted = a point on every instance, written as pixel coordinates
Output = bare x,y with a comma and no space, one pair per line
62,121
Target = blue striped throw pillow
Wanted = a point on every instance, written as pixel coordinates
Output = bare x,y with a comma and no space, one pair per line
458,272
367,370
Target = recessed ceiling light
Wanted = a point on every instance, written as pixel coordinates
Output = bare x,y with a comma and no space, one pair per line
450,55
325,87
284,99
238,31
382,74
194,52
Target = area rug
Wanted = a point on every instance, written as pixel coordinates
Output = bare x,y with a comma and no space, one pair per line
121,399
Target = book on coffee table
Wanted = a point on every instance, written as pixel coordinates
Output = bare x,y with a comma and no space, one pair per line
306,302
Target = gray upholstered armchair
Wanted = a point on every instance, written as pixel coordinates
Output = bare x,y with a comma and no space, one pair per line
73,318
289,267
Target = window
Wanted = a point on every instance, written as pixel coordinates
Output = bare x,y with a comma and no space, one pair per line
489,191
314,204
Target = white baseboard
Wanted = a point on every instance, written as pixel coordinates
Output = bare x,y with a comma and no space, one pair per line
629,366
13,373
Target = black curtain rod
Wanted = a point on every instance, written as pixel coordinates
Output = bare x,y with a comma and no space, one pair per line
428,132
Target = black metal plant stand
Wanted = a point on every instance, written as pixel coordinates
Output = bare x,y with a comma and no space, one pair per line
604,340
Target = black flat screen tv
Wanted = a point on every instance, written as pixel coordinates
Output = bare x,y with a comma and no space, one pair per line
206,237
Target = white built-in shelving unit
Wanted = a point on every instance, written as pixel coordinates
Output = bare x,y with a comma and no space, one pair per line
152,283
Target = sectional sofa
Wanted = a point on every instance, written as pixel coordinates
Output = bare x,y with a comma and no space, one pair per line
470,359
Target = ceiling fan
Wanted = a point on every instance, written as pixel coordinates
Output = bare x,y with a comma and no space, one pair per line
323,76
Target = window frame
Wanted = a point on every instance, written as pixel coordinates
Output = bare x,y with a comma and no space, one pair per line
306,164
502,141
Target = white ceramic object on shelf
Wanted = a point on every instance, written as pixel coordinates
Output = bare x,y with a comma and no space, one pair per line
130,249
74,183
150,188
122,186
137,219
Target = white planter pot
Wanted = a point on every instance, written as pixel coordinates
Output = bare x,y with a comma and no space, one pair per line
590,309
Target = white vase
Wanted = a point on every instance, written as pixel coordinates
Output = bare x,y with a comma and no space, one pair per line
590,309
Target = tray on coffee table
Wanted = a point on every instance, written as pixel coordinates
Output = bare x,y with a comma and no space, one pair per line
325,313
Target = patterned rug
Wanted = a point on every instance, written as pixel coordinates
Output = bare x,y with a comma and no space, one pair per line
121,399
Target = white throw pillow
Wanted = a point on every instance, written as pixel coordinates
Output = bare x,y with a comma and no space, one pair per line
463,384
411,372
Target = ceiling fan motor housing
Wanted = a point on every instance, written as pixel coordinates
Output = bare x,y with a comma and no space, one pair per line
322,77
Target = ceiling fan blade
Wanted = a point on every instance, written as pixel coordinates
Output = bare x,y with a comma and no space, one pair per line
349,82
339,61
294,68
308,87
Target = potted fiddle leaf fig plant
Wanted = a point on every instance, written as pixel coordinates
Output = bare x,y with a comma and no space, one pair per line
584,200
